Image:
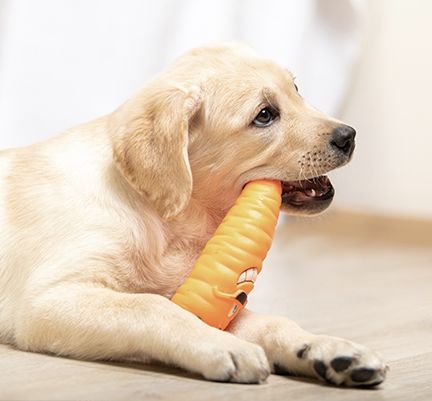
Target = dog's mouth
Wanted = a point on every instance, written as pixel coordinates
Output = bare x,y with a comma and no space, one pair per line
314,193
248,275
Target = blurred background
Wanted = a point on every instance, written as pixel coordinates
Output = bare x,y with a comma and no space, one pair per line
367,62
363,270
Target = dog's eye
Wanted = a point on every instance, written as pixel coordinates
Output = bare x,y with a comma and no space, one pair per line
265,117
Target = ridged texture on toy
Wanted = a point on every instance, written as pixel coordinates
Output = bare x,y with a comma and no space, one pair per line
240,242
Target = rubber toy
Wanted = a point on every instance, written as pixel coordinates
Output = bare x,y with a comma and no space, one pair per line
218,286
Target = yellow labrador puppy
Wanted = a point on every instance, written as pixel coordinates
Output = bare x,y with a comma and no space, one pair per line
101,224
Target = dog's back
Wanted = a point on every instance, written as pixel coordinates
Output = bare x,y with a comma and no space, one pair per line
9,282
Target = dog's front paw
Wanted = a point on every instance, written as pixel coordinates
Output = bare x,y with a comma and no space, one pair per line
341,362
238,361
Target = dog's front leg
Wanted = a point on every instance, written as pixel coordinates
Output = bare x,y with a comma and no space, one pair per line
292,350
97,323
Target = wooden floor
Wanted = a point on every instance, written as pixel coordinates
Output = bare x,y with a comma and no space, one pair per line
368,279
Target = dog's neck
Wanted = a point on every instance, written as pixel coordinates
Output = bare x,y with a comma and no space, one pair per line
198,222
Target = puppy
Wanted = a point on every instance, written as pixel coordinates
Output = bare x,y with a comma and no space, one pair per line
101,224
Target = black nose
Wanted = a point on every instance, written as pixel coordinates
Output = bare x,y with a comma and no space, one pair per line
342,139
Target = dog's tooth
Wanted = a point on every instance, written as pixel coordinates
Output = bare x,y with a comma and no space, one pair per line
255,274
249,274
310,192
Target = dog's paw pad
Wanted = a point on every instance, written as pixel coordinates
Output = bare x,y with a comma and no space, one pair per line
303,351
341,363
362,375
320,369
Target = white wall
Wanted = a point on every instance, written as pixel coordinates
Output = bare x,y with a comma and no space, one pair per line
390,104
63,62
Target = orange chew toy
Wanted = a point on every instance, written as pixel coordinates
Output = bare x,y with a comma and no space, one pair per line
224,274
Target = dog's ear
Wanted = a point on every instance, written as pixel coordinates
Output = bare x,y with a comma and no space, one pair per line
151,137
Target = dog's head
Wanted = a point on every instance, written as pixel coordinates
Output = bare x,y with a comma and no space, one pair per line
220,117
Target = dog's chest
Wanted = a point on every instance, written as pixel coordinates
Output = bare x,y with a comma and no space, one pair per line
165,275
163,270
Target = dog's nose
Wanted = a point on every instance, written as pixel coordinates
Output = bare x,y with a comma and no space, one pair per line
342,139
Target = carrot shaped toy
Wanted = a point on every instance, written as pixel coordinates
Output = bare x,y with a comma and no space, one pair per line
224,274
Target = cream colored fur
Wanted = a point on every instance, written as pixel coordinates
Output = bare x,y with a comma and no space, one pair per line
100,224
